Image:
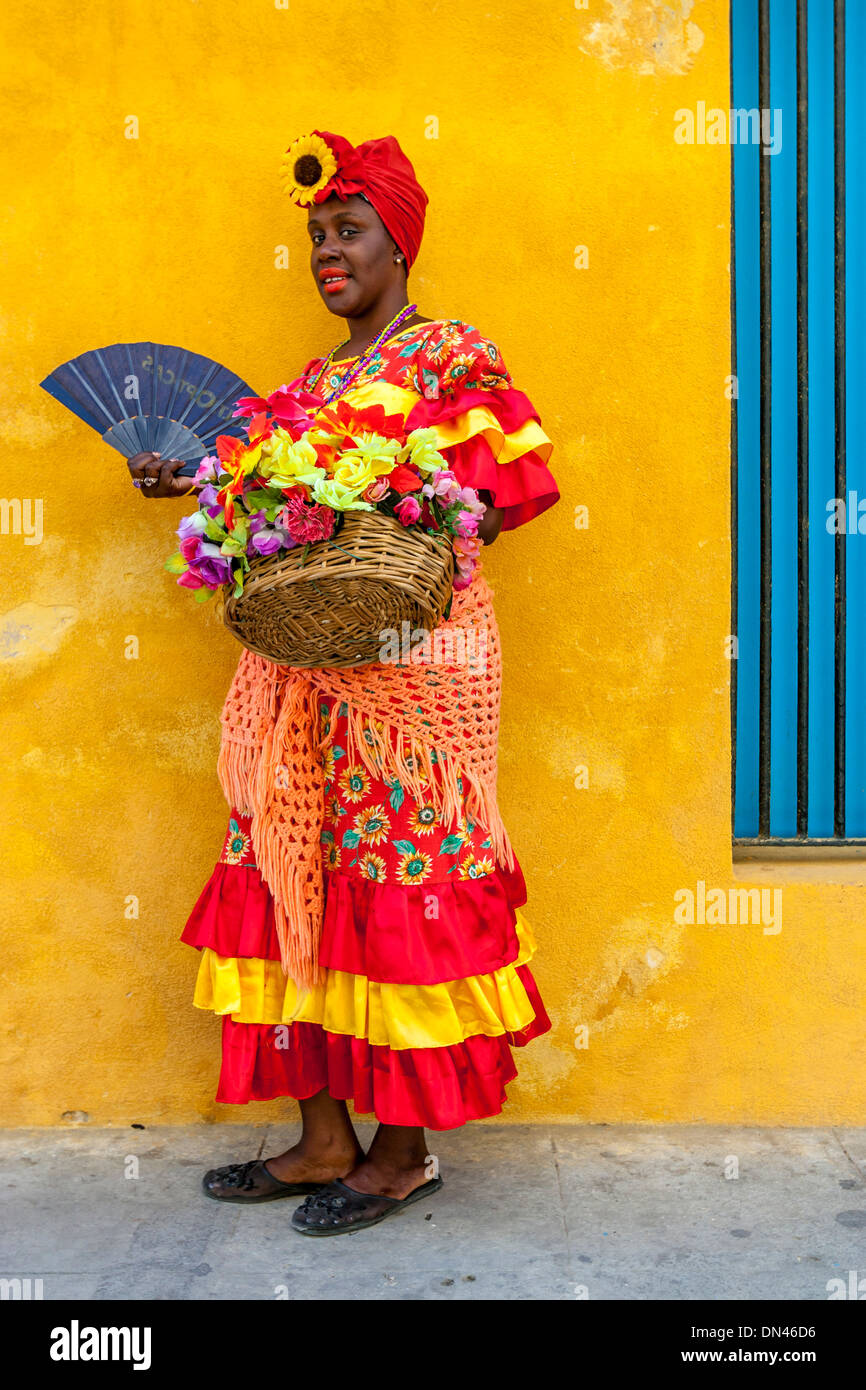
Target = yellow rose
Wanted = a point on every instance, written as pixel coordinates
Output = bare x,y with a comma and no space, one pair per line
358,474
374,448
286,462
422,451
332,493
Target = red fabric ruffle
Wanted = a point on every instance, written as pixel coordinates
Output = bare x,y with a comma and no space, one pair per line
438,1088
390,933
511,407
234,915
523,487
386,932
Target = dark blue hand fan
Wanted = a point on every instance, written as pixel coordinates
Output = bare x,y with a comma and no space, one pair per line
148,396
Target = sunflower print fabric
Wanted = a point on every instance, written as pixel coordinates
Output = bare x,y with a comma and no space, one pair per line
375,829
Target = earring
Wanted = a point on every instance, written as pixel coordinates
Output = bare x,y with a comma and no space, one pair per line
398,260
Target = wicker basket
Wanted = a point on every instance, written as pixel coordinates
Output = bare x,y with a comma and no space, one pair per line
331,607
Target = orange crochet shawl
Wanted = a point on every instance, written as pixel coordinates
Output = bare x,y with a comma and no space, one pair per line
430,723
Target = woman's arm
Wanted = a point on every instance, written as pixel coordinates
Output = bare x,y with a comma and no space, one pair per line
491,523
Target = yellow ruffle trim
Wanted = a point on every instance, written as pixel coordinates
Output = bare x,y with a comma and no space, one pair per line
479,419
388,1015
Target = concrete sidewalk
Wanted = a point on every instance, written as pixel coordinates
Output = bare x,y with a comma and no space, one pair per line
546,1212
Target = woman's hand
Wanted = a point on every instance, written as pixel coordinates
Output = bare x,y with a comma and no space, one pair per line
156,477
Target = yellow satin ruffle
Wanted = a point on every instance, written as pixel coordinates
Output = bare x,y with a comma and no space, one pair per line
529,438
387,1015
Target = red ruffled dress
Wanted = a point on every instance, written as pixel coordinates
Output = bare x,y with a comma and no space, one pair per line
427,985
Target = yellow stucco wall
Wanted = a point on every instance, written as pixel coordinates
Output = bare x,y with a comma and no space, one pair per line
552,128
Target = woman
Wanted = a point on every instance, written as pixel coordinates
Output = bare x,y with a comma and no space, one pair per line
424,984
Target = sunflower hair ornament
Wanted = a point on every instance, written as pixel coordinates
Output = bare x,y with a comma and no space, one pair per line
308,165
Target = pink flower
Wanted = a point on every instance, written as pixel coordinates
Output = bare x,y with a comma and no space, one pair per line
208,470
191,580
468,546
293,409
467,523
306,522
408,511
444,482
376,491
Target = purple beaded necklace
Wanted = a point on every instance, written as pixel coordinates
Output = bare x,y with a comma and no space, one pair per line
364,358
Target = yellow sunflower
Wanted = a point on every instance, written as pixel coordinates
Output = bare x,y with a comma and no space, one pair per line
328,765
423,820
332,857
373,825
373,867
476,868
414,868
354,783
307,166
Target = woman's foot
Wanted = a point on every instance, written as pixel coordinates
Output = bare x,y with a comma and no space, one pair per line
386,1178
396,1173
298,1170
317,1163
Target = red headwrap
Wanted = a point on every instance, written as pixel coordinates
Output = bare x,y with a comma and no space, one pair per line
377,169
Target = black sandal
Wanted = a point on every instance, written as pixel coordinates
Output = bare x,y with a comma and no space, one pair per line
337,1210
252,1182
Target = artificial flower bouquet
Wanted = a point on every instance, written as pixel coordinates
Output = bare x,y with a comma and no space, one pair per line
304,468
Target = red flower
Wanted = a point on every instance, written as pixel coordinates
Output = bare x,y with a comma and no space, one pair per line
403,479
305,522
259,428
229,450
249,405
293,409
370,419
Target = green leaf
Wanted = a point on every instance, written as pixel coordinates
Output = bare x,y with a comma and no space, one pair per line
452,844
398,796
233,826
351,839
203,595
264,499
176,564
404,846
214,530
326,838
338,753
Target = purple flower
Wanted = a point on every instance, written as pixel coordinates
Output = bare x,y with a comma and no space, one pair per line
211,566
265,542
208,497
192,525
